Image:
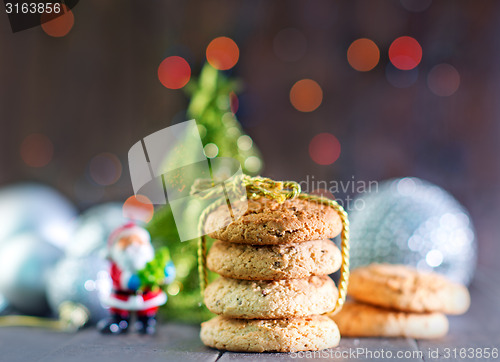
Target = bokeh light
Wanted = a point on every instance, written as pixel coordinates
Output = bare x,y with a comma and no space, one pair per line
202,130
58,26
405,53
233,131
105,169
443,80
244,142
253,164
174,288
324,149
222,53
306,95
234,102
434,258
363,55
416,5
37,150
138,208
174,72
211,150
290,45
400,78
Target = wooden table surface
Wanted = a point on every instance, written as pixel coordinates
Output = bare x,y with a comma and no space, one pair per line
479,328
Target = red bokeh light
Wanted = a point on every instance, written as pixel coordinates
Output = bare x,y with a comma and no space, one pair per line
223,53
37,150
58,26
405,53
174,72
138,208
443,80
234,102
105,169
306,95
363,55
324,149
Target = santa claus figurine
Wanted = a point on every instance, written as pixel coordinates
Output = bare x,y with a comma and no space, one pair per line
129,250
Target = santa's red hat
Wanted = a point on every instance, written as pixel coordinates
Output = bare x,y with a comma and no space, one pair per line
126,230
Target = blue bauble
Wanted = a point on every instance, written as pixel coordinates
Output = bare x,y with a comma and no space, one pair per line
93,229
25,261
31,207
410,221
80,280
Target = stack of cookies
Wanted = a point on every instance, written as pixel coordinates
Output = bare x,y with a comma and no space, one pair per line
398,301
274,287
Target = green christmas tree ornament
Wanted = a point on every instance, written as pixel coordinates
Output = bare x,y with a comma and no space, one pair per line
220,131
222,136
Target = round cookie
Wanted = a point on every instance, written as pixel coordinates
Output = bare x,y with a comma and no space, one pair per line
273,335
273,262
363,320
267,222
286,298
404,288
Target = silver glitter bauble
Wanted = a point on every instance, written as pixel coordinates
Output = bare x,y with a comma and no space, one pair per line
24,263
410,221
93,229
80,280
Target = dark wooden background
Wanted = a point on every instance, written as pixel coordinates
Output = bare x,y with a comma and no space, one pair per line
96,90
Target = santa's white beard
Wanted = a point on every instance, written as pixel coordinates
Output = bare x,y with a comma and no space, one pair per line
133,258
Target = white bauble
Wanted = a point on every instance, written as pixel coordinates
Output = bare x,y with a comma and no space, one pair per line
25,261
85,281
93,229
31,207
